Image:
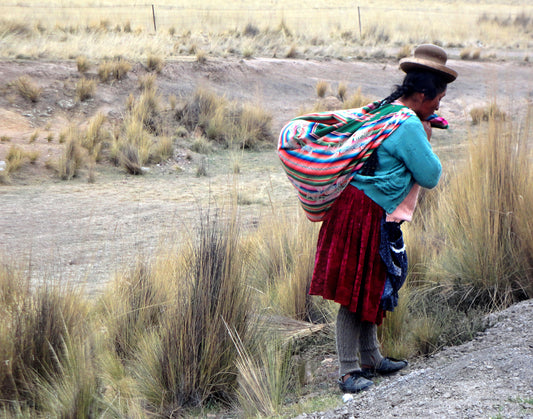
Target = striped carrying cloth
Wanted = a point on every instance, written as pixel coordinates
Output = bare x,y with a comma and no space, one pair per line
321,151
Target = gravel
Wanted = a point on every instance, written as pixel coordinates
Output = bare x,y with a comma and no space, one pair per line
489,377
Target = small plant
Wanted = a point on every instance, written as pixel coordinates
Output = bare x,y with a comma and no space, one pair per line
201,169
201,56
356,100
147,82
115,70
154,63
162,150
83,64
34,136
484,113
404,51
71,161
341,91
5,139
85,89
15,158
201,145
105,70
27,88
95,135
120,69
322,87
292,52
250,30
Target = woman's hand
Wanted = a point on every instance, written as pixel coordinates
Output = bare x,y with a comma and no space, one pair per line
427,128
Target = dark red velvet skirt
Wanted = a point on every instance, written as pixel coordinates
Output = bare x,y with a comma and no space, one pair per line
348,267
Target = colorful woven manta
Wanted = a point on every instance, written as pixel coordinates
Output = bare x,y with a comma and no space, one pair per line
321,151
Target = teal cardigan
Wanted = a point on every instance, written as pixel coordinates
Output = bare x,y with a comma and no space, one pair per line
404,158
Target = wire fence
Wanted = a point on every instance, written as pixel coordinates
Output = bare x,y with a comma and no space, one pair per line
150,16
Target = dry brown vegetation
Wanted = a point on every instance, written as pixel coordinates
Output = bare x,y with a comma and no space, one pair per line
220,318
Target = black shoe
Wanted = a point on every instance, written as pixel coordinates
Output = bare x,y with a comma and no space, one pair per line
355,383
386,366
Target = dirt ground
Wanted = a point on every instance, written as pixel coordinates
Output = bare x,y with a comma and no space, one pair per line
83,231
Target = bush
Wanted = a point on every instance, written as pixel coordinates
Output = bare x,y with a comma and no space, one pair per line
35,323
27,88
154,63
83,64
85,89
485,263
190,359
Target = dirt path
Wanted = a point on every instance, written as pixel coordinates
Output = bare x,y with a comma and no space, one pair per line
489,377
84,231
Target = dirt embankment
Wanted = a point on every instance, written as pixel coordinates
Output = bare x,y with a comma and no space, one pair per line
84,231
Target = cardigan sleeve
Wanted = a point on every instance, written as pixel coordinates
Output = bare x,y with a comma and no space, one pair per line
412,147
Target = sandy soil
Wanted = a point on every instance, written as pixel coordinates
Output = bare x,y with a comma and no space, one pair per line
83,231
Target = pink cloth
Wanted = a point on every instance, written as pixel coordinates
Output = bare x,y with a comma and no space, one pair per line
404,211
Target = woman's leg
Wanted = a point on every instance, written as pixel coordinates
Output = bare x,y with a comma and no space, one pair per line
369,345
348,330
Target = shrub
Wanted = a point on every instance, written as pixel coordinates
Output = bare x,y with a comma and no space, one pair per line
147,82
83,64
341,91
356,100
35,323
154,63
95,136
253,126
85,89
190,359
491,111
27,88
72,160
322,87
485,263
250,30
115,70
15,158
162,150
404,51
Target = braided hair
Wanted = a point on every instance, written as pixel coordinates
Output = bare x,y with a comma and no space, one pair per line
427,82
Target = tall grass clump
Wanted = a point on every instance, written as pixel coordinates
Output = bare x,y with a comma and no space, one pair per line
265,379
485,262
136,145
35,324
190,359
85,89
72,159
95,136
284,252
155,63
225,122
27,88
134,303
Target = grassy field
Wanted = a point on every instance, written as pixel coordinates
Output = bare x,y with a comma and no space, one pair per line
60,29
217,319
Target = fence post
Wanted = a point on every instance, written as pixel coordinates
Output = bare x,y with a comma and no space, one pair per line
359,14
153,15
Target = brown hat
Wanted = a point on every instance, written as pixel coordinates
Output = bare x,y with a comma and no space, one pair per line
429,57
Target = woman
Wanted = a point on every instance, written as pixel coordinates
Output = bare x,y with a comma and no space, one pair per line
348,266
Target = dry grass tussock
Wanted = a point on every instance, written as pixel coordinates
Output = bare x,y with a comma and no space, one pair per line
184,327
258,30
27,88
224,122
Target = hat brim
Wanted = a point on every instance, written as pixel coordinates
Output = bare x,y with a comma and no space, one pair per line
411,64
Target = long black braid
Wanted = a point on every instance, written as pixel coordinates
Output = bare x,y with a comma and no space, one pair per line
427,82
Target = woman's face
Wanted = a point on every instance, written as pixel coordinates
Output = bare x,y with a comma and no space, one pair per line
427,107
